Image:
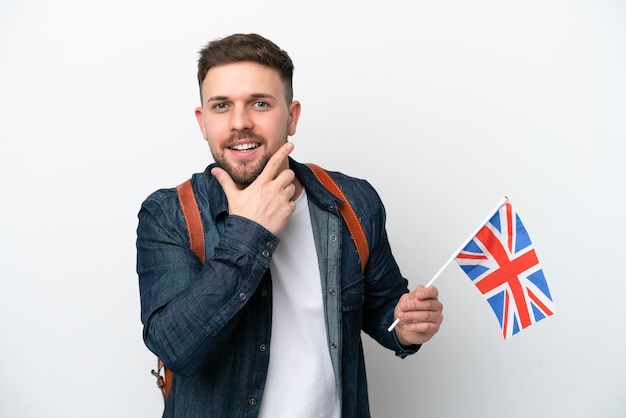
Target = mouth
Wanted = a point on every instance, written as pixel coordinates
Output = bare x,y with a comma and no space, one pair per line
245,147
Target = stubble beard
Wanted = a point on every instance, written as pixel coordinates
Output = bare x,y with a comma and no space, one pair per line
245,172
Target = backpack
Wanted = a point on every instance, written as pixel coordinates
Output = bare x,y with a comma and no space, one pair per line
191,213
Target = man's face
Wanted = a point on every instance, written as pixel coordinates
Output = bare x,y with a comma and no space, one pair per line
244,117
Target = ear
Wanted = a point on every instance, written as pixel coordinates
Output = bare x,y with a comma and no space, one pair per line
294,115
200,120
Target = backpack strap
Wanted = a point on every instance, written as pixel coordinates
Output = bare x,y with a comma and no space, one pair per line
347,212
163,381
191,213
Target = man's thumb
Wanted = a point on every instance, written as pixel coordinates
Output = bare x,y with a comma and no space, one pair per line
223,179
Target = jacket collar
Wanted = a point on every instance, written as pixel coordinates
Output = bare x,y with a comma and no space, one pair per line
316,192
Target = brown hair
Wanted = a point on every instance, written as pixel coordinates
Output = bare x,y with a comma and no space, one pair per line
246,47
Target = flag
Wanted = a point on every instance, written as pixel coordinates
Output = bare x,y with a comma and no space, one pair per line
502,263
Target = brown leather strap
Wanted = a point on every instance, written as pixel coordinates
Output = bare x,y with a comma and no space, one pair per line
191,212
347,211
168,381
192,217
163,381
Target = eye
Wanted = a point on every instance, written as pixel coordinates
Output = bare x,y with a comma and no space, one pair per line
261,104
220,106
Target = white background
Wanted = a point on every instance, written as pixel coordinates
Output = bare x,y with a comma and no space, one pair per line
444,106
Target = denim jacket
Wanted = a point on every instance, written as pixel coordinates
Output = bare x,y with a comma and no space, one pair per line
210,323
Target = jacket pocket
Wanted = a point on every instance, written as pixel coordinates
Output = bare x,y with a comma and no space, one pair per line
353,297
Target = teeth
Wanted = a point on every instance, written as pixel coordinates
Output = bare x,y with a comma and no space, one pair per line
243,147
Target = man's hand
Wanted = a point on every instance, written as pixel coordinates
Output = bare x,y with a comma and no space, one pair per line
420,314
267,201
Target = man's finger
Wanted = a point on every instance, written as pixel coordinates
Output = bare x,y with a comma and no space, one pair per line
422,292
224,179
274,164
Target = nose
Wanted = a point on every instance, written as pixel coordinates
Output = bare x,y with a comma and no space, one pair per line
241,119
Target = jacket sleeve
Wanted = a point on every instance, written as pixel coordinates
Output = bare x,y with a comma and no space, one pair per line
189,310
384,281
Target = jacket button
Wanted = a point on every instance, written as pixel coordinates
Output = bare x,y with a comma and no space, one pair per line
332,292
333,345
265,253
333,237
242,296
262,347
252,401
263,292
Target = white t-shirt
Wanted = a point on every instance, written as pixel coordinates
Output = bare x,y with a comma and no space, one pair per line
300,379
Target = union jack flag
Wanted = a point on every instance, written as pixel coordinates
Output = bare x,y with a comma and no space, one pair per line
502,263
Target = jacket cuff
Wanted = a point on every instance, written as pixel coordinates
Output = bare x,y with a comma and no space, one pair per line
402,351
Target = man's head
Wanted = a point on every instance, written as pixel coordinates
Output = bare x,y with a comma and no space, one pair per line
247,111
247,47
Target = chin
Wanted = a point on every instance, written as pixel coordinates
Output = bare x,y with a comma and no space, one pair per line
244,178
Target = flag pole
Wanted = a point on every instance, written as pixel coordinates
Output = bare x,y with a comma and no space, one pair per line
473,234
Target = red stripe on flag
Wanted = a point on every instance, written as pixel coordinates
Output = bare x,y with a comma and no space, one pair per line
539,303
471,256
509,219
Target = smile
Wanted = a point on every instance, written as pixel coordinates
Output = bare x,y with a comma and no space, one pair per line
244,147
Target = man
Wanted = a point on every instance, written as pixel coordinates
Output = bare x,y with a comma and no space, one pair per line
269,325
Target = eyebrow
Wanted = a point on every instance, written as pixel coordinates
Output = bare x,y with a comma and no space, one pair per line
216,98
253,96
